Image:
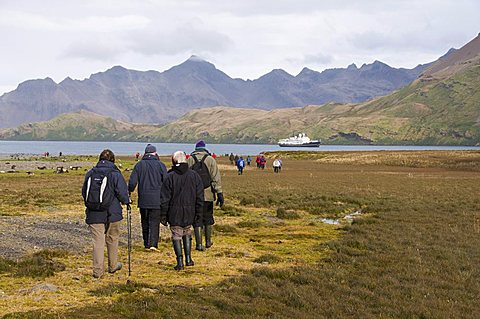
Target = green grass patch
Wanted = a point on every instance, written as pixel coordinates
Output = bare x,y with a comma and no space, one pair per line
282,213
268,258
226,228
38,265
250,224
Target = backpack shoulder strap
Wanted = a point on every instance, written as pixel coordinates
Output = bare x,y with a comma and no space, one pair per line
204,157
195,158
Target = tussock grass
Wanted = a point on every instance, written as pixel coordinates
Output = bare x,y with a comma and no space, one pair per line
282,213
37,265
130,287
267,258
250,224
226,228
231,210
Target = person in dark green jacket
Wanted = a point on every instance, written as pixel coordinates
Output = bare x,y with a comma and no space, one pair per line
214,190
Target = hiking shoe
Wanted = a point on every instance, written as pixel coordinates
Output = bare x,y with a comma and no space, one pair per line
96,276
153,249
119,266
178,267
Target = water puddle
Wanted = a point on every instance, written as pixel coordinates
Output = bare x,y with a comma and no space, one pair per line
331,221
348,218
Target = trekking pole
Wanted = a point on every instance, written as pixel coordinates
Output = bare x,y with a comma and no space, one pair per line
129,235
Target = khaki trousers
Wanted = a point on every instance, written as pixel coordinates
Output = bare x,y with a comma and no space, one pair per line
99,240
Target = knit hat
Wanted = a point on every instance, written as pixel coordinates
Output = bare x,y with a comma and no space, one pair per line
200,144
150,149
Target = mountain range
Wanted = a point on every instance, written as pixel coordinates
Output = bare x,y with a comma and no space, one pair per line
441,106
161,97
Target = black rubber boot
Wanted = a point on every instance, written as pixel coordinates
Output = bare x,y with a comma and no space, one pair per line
177,247
208,236
187,249
198,238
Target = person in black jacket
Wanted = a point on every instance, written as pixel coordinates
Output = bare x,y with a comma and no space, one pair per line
149,174
104,225
182,206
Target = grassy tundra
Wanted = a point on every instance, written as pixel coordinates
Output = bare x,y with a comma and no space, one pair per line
414,252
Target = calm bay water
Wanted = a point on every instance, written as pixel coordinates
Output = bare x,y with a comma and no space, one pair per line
127,148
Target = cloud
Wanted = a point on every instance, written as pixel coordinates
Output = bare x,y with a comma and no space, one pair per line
190,37
95,48
26,20
108,24
187,38
318,59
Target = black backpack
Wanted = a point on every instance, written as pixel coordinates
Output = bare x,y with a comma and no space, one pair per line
202,170
99,195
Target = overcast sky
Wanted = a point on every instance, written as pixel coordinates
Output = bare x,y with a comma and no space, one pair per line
243,38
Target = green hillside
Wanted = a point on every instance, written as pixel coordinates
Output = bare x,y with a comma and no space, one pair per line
78,126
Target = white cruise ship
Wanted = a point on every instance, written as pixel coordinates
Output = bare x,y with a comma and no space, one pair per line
300,140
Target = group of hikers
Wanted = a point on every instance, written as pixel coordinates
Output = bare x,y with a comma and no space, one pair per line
261,161
181,197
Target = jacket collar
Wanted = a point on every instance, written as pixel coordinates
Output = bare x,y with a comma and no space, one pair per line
150,156
106,164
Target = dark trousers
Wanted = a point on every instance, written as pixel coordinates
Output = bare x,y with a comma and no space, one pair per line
207,217
150,226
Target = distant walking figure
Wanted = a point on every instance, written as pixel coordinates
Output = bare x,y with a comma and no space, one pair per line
103,191
240,165
182,206
277,165
263,161
149,174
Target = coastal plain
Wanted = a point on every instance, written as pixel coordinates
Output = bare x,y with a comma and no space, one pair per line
410,250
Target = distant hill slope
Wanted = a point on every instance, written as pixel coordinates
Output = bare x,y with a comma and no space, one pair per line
77,126
160,97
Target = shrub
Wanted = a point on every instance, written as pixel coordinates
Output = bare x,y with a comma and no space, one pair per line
250,224
282,213
226,228
268,258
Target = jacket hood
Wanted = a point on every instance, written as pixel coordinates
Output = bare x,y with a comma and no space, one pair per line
181,168
201,150
150,156
106,164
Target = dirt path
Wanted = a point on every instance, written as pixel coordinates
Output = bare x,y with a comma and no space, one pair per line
21,235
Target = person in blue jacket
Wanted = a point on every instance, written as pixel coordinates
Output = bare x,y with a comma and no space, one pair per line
240,165
149,173
104,225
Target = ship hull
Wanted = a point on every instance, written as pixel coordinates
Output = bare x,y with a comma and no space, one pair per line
311,144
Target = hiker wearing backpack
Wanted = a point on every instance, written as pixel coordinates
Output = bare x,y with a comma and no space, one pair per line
149,174
182,205
103,191
201,162
240,165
